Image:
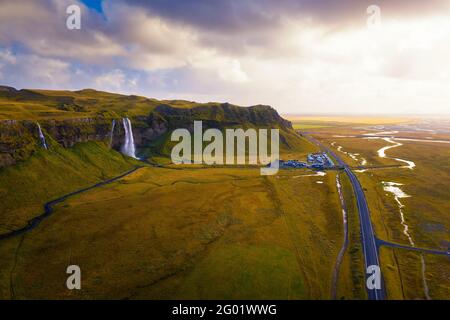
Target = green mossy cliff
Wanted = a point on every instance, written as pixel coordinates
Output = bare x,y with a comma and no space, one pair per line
68,118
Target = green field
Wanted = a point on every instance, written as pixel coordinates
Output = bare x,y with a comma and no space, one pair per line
190,233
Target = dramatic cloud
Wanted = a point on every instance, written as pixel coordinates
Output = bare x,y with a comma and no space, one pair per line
40,26
297,55
236,16
33,70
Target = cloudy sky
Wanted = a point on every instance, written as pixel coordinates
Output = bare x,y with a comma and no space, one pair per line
300,56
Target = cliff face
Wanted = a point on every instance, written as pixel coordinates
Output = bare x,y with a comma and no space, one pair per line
69,132
145,130
19,139
223,115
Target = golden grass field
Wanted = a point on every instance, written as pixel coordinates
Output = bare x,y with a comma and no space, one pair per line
402,271
191,233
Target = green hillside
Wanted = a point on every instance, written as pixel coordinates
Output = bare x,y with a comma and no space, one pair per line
27,104
26,186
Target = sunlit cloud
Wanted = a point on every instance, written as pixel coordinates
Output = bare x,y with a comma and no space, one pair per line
300,57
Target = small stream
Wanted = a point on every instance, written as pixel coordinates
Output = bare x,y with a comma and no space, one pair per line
394,189
341,253
354,156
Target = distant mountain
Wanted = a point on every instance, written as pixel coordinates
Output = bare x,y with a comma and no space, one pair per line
7,89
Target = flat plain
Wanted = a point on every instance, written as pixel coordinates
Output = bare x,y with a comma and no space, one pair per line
425,204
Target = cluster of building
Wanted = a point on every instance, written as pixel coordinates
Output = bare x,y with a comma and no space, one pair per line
292,164
319,160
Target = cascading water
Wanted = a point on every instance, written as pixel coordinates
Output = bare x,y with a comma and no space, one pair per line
128,147
42,137
113,125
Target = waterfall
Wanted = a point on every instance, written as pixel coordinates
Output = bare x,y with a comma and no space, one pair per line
128,147
112,132
42,137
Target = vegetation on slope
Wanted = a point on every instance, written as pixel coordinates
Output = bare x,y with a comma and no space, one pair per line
29,104
25,187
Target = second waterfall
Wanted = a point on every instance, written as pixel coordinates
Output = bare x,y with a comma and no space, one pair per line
128,147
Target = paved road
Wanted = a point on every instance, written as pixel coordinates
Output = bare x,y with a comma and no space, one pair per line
370,250
48,207
401,246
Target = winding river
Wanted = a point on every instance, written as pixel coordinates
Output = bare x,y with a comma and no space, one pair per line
394,144
398,193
